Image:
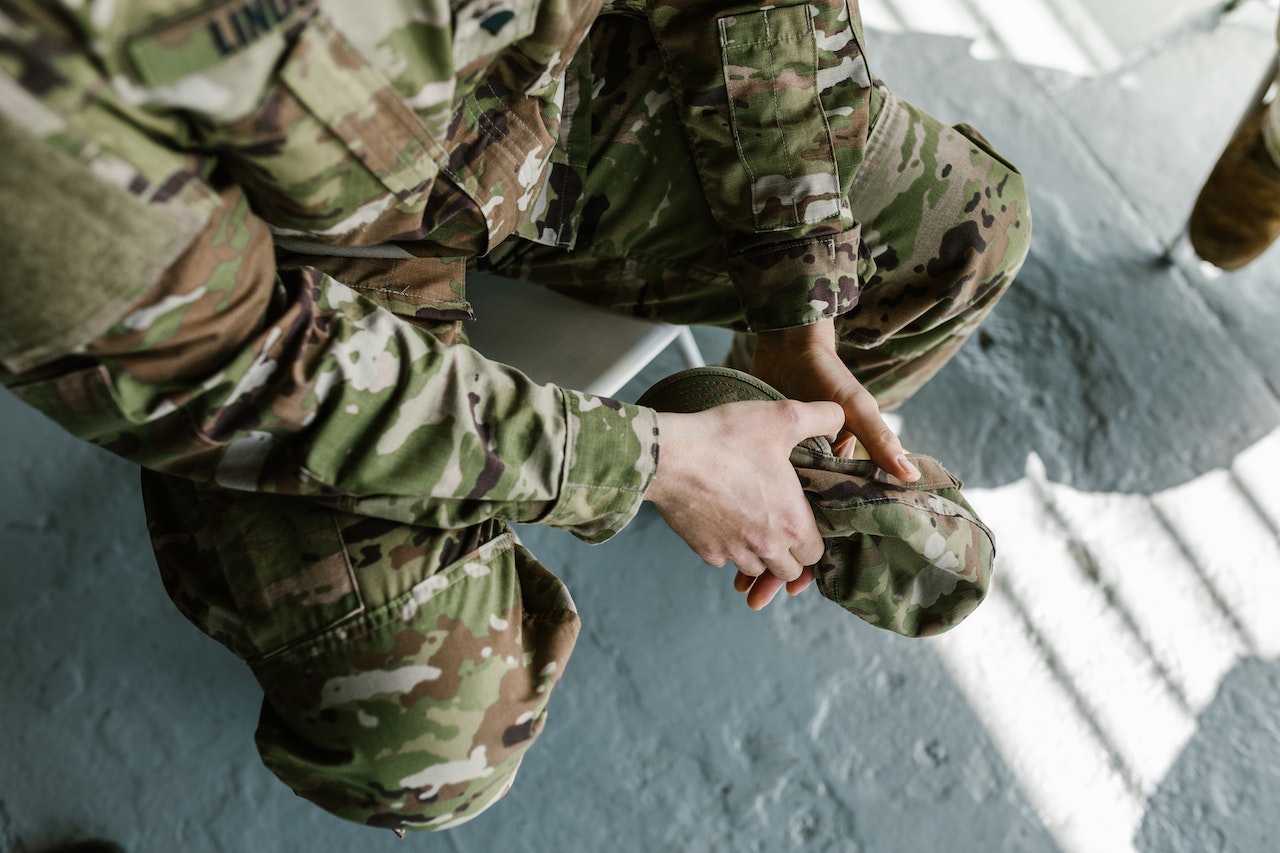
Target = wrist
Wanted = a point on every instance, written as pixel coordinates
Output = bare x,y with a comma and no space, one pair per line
670,450
819,334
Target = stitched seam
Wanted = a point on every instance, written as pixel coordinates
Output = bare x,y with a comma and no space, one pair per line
782,137
877,142
962,514
528,139
490,130
568,115
733,118
822,108
562,237
531,134
599,488
407,297
787,245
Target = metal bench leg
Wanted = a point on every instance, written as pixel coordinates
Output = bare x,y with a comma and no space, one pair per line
689,348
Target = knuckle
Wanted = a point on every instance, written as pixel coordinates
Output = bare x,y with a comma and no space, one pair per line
748,563
854,395
787,573
811,553
760,546
790,413
797,526
884,435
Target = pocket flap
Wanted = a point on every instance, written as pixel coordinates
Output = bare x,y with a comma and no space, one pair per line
360,105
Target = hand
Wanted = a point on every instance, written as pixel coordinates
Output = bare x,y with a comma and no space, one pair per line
802,363
725,484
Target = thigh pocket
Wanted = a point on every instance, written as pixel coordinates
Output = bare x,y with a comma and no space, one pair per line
285,566
89,221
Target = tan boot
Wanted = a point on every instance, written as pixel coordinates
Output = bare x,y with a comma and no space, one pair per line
1237,215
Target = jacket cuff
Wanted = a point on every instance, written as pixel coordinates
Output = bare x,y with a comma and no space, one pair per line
799,282
611,456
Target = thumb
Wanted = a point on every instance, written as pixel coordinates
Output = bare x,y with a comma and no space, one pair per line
820,417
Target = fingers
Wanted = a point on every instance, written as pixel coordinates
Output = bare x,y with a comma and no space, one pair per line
801,583
845,445
789,565
785,567
803,364
863,419
726,486
816,418
763,589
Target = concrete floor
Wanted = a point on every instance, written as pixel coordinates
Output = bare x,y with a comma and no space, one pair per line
1115,422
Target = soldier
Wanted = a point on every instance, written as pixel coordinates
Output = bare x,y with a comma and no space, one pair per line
238,235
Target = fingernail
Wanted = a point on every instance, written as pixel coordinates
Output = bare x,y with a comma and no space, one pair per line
904,464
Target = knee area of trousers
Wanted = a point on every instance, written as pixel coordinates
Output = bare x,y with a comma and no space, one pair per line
416,714
998,216
1019,233
408,772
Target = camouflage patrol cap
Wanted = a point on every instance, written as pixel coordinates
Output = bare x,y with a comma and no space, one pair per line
910,557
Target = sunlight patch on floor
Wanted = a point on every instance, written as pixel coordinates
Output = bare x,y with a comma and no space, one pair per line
1111,624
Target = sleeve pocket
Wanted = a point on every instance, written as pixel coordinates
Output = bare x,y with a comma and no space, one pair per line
773,71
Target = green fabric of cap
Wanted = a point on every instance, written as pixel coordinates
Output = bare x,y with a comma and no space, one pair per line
912,558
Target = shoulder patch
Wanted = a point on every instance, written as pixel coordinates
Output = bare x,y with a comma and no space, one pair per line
78,250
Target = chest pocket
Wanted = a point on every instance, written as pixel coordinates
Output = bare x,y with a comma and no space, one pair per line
332,150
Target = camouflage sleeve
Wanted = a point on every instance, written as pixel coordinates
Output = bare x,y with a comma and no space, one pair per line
774,100
145,312
227,372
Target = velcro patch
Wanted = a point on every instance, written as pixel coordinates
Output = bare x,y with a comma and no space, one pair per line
78,251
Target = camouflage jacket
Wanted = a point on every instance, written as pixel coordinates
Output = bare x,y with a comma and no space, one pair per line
157,151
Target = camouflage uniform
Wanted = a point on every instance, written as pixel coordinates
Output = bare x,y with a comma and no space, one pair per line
329,469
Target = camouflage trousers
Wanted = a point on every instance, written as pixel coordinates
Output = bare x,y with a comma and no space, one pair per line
407,670
943,216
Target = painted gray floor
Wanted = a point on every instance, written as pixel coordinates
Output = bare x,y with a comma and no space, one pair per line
1108,390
